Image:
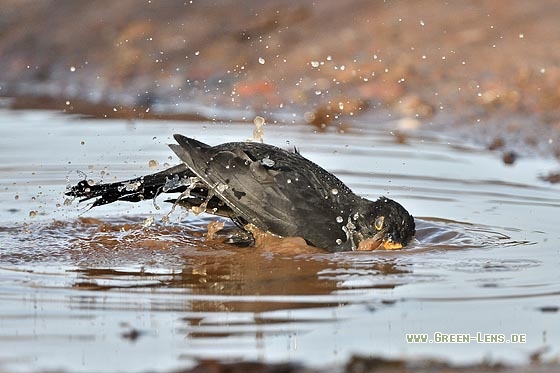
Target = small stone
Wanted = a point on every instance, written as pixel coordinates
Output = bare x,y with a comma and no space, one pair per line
509,158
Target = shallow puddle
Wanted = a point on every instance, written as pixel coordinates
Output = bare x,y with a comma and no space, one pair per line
107,289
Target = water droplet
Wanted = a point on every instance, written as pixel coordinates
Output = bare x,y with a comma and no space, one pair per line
334,191
82,142
338,241
339,219
32,213
148,221
16,197
259,121
261,61
221,187
315,63
267,162
132,186
153,164
289,181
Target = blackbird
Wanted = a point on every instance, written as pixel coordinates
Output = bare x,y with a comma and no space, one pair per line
263,186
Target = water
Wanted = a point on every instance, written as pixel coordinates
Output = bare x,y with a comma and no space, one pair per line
103,290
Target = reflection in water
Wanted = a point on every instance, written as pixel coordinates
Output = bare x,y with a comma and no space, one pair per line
126,255
278,280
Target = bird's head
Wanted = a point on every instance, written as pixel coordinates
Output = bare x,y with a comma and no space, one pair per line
382,223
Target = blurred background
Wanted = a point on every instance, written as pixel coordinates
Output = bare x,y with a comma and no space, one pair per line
438,63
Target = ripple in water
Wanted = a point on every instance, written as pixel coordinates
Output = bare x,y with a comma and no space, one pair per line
434,233
77,242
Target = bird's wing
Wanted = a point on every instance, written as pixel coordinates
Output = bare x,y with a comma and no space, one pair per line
278,191
172,180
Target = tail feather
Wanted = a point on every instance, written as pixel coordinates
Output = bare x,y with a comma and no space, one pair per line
172,180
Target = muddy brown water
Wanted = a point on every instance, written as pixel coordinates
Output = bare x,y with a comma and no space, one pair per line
104,290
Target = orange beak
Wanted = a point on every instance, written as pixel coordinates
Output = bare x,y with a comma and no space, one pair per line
371,244
389,245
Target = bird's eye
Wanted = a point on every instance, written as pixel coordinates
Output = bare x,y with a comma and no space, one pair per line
379,222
